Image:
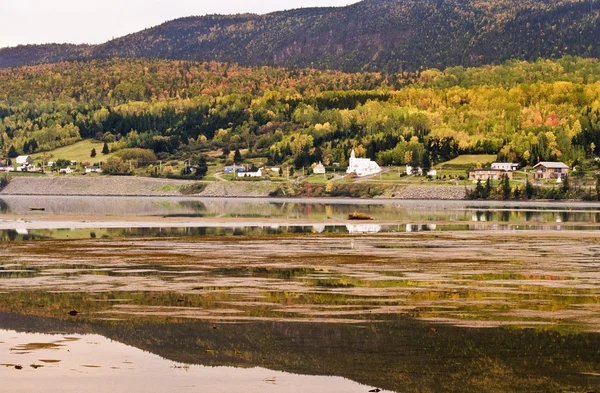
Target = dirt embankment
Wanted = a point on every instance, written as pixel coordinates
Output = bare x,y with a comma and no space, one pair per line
130,186
432,192
146,186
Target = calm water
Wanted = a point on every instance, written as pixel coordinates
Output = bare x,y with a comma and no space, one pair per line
320,209
442,297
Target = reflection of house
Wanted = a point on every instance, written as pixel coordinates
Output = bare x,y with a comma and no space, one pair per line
66,170
258,173
363,228
93,169
489,173
507,166
362,166
419,228
550,170
319,169
24,160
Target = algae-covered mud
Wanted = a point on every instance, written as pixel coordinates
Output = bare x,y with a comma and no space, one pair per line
286,306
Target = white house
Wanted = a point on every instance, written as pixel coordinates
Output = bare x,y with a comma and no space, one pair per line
362,166
93,169
23,160
419,171
258,173
66,170
505,166
26,168
319,169
8,168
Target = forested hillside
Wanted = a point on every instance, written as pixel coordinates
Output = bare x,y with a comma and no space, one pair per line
527,112
372,35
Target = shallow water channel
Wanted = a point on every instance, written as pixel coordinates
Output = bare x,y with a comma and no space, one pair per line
428,297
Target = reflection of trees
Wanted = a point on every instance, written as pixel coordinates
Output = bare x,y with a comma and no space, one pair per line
401,355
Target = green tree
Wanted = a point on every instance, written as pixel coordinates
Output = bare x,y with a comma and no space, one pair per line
565,185
12,152
93,152
529,190
479,191
488,189
598,186
506,190
201,167
237,156
105,149
426,163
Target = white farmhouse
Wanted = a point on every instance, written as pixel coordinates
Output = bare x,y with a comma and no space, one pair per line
362,166
24,160
319,169
258,173
505,166
93,169
66,170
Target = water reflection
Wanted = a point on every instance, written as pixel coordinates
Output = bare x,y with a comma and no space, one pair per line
437,211
400,355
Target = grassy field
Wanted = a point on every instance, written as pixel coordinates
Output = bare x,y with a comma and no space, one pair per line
467,160
79,152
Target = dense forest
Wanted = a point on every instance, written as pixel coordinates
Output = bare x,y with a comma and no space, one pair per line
522,111
372,35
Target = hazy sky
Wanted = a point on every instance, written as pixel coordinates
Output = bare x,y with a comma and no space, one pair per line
95,21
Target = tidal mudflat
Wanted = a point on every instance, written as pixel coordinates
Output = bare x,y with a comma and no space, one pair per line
497,310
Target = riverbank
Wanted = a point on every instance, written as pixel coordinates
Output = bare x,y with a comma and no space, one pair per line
146,186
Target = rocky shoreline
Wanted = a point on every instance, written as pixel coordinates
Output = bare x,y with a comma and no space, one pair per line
146,186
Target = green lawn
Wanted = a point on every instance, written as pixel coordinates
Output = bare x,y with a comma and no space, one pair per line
79,152
470,160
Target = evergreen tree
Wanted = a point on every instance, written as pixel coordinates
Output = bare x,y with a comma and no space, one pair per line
237,156
202,168
529,190
488,189
565,185
426,163
479,192
12,152
105,148
93,152
598,186
506,190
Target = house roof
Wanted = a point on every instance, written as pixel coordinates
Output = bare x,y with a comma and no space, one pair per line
551,164
488,170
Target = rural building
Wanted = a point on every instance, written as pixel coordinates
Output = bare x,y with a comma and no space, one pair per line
8,168
66,170
489,173
93,169
550,170
233,169
27,168
319,169
507,166
419,171
24,160
362,166
258,173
